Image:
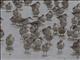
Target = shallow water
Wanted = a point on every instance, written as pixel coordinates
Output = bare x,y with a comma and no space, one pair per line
18,53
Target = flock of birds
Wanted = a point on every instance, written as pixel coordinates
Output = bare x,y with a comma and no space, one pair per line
31,30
